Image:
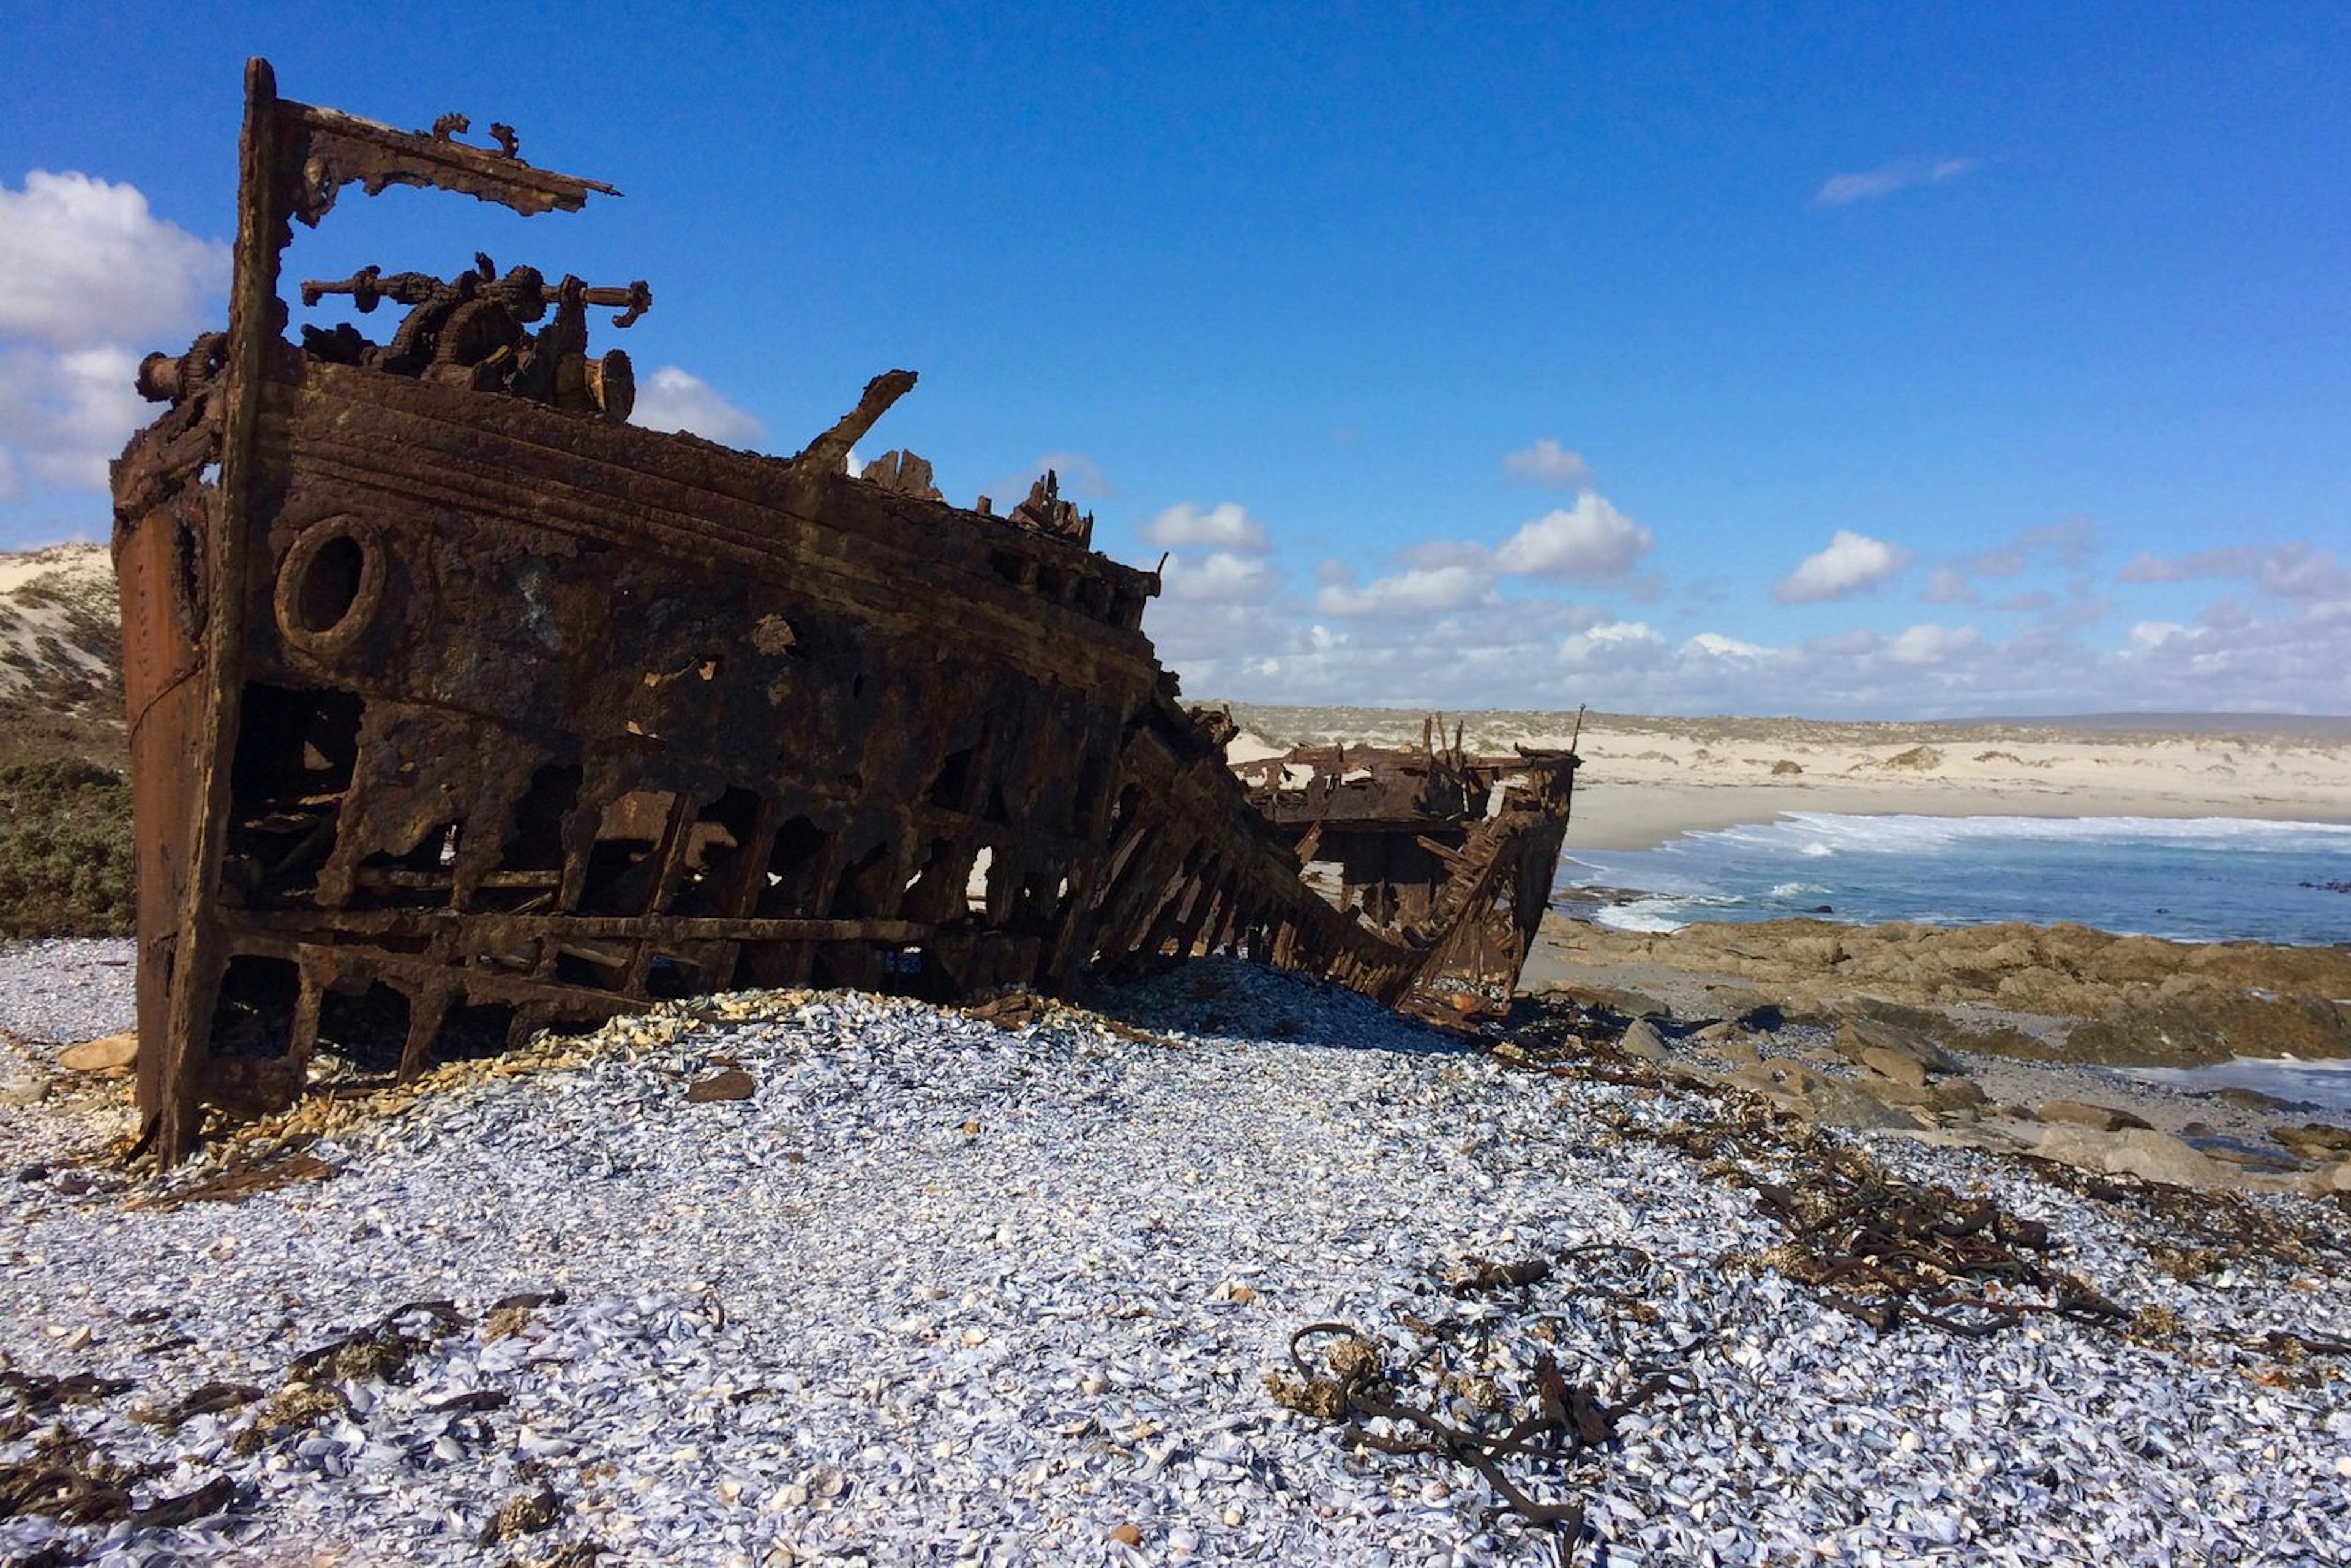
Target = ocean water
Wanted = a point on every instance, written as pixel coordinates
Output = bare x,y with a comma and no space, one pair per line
2202,880
2325,1084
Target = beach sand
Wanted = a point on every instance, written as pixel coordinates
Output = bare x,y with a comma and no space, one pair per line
1646,780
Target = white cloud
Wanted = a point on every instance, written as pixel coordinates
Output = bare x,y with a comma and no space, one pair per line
1929,644
1613,645
68,414
2068,542
1440,576
1548,463
1540,652
1623,632
1226,525
2305,572
1592,539
2298,571
1717,645
1851,562
1841,190
2147,635
84,263
672,399
90,279
1442,623
1417,591
1221,577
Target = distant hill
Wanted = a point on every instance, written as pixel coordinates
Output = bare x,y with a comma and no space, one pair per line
64,806
2324,728
61,651
1497,729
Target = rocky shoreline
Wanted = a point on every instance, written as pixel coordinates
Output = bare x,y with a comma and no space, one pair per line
2007,1037
2060,992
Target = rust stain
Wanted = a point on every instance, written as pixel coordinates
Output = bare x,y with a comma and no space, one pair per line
460,707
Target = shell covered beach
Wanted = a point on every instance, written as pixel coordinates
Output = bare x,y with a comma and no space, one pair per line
1224,1268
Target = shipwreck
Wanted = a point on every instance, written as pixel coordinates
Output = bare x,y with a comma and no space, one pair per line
459,707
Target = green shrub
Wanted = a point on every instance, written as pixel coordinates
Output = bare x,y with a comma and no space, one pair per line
65,850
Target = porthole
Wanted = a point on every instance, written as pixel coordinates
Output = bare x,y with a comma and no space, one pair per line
330,586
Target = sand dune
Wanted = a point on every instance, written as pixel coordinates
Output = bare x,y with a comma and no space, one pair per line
60,642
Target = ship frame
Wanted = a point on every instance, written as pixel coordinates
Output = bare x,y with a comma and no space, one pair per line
460,708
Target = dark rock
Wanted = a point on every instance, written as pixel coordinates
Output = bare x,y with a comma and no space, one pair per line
727,1084
1827,1101
2315,1141
2201,1023
2082,1114
1739,1002
1900,1066
1834,1103
1621,1000
2255,1100
1794,1075
1957,1093
1858,1035
2135,1151
1643,1042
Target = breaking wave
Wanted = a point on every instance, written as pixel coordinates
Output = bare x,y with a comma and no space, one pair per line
2326,1084
2200,879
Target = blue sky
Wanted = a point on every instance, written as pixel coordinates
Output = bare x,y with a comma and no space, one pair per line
1849,360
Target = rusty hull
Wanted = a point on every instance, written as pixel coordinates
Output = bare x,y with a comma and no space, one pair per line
461,708
1442,850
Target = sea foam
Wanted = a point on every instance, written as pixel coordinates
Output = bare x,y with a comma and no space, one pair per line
2199,879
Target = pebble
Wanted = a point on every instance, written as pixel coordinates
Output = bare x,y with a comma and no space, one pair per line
1029,1345
65,989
